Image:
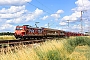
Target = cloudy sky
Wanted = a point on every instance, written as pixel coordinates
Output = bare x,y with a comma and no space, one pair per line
56,14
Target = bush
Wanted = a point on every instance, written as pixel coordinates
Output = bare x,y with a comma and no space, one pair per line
72,43
54,55
87,41
41,55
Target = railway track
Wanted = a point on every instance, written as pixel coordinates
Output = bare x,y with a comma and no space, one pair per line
12,45
7,43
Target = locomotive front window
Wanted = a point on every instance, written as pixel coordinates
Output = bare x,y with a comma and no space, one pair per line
19,28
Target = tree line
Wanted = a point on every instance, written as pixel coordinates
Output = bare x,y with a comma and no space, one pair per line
6,33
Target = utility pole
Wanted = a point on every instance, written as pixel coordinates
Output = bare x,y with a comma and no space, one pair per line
68,22
81,23
48,25
68,28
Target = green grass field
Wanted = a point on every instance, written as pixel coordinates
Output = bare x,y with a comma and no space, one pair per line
76,48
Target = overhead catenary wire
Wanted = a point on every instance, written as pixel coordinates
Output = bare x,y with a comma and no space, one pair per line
44,5
38,7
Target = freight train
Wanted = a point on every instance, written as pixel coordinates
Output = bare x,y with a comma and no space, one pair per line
28,32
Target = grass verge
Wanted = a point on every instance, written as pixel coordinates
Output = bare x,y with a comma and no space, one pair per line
5,37
51,50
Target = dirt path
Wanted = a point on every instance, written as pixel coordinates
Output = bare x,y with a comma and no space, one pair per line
81,53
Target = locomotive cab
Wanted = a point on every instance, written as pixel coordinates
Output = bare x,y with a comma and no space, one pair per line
19,32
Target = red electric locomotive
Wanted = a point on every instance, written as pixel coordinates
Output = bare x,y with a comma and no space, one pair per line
27,31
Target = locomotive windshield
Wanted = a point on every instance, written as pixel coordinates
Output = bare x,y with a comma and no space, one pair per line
19,28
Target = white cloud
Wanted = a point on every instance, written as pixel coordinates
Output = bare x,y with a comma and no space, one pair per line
12,12
45,17
21,16
6,27
54,16
72,17
14,2
46,25
59,11
63,23
82,5
34,15
12,9
57,14
76,26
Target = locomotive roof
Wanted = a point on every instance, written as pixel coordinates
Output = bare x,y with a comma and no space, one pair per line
25,25
40,28
35,27
52,29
